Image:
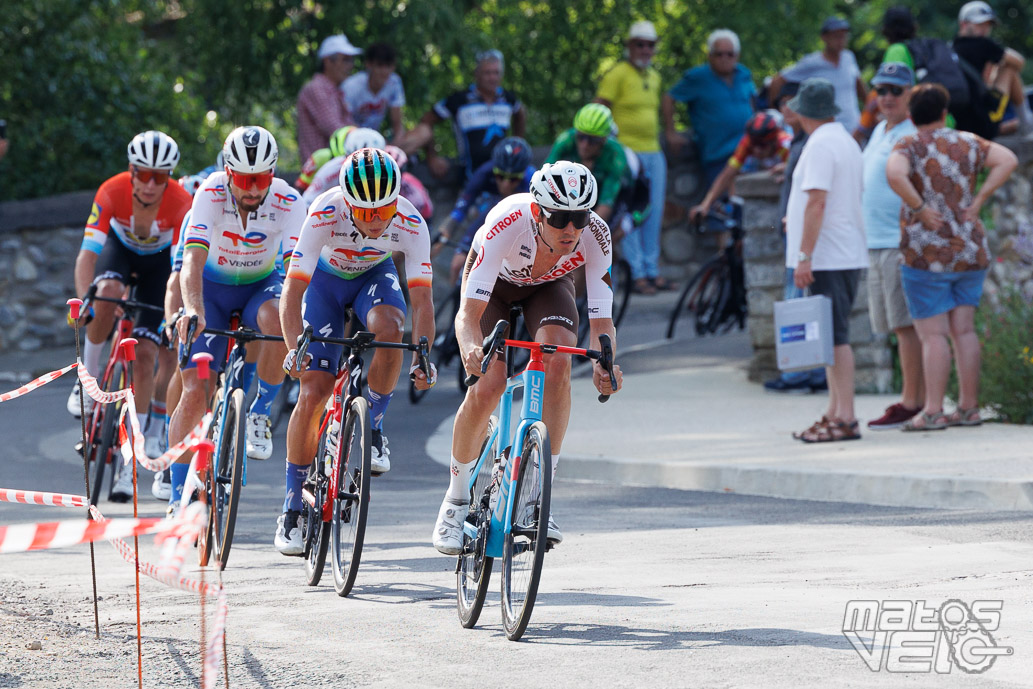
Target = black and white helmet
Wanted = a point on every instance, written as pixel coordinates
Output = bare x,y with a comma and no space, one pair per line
153,150
249,150
564,185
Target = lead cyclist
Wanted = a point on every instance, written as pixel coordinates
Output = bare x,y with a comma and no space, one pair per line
524,254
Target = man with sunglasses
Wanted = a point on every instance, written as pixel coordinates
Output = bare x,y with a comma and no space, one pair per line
344,259
525,253
135,220
242,220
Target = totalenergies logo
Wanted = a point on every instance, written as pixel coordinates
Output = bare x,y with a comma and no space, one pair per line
251,240
198,228
285,199
411,220
217,192
325,214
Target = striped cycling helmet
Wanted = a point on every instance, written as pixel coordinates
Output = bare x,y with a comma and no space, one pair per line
564,185
153,150
595,119
337,140
250,150
370,178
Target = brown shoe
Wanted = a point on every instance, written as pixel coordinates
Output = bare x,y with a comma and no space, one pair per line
643,286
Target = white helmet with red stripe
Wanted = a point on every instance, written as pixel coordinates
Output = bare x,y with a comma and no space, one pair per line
564,185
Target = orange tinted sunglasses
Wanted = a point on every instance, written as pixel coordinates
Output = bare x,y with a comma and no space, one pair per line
145,176
244,181
372,214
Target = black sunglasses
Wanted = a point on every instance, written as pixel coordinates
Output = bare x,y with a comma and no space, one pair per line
884,89
512,176
588,138
560,219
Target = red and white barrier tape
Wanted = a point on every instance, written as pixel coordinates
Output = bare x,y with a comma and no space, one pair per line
38,383
136,447
33,497
91,388
22,537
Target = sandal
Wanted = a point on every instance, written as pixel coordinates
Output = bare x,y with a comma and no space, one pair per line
662,284
815,428
936,421
834,431
643,286
965,417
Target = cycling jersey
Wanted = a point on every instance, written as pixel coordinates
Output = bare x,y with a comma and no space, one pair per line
610,169
744,152
478,125
113,212
329,176
483,182
312,165
505,248
330,242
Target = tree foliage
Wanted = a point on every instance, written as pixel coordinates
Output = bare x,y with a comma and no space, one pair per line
81,77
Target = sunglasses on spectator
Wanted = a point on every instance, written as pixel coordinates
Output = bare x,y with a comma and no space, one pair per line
262,180
589,139
643,44
508,176
145,176
722,53
373,214
560,219
884,89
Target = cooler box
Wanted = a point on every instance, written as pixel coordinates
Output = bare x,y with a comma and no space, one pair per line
803,333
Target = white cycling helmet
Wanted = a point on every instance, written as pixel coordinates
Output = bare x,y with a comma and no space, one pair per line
398,155
370,178
153,150
363,137
250,150
564,185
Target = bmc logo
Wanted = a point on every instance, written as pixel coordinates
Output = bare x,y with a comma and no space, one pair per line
325,214
250,240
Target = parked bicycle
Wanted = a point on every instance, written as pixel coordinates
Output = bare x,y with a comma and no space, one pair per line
510,496
716,294
336,492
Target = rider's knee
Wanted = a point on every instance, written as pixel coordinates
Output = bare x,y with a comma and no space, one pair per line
269,318
388,327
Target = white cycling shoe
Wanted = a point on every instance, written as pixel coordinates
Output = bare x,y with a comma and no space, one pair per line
259,436
381,462
161,487
288,533
73,402
122,491
448,529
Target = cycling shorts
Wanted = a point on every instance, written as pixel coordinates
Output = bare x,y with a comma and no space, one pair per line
220,302
549,303
152,271
328,297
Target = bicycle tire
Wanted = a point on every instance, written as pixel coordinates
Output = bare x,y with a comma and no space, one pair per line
204,538
622,291
529,530
107,449
229,471
351,504
582,321
316,534
709,298
474,571
689,296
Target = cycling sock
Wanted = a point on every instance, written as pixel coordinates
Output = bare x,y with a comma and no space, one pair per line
378,407
91,356
296,475
264,399
155,418
459,481
248,374
555,464
179,479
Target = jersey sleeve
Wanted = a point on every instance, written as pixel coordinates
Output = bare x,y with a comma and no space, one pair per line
198,233
492,248
311,240
416,247
398,93
563,148
292,230
599,255
99,222
610,86
741,153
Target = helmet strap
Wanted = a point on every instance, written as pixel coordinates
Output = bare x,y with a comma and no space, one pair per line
144,203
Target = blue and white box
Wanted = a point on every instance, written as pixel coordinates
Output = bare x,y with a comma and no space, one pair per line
803,333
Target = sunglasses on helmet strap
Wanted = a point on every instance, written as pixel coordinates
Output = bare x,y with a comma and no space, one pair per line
560,219
262,180
145,175
372,214
512,176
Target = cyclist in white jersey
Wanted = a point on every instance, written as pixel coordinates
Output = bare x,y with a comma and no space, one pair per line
525,253
344,258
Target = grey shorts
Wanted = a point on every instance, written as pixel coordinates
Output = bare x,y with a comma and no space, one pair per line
887,306
841,287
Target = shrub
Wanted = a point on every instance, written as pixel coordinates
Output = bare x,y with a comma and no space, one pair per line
1006,380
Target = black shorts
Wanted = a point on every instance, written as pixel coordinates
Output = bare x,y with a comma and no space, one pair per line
841,287
550,303
152,271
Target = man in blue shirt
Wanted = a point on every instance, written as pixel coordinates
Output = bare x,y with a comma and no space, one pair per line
720,98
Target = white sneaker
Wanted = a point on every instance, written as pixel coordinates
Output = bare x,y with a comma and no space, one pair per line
155,444
448,530
161,487
555,536
288,533
73,402
259,436
381,463
122,491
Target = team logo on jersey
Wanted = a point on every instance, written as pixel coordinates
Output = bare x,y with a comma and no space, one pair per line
94,214
367,254
285,199
325,214
197,228
411,220
251,240
218,192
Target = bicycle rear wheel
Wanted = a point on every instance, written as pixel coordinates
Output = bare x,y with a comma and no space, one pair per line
622,291
105,429
474,570
316,533
712,296
523,550
688,300
351,503
229,470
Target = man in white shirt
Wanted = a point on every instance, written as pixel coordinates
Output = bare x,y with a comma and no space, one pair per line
376,92
825,241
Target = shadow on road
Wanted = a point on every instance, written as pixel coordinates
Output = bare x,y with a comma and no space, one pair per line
660,639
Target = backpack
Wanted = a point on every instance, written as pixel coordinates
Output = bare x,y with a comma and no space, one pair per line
970,101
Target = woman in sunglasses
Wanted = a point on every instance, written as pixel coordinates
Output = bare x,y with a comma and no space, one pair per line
525,253
135,220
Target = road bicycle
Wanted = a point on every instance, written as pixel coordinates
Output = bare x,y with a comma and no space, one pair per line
716,294
511,496
101,443
336,491
226,474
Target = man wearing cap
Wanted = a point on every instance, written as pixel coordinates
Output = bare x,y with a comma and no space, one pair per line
825,242
835,63
1000,67
887,307
631,89
321,107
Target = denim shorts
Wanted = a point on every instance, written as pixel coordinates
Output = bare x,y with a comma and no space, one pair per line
930,294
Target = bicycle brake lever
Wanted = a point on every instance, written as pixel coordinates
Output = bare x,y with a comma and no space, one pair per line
491,343
421,359
184,358
304,339
606,361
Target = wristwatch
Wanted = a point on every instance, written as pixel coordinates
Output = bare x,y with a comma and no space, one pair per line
803,257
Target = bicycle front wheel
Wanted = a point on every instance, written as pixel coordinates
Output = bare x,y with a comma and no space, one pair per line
474,570
711,300
229,470
106,430
523,550
622,291
316,534
351,503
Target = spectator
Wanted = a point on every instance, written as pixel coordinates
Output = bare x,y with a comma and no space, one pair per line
825,241
1000,67
887,307
3,138
935,172
321,108
481,115
720,98
632,92
376,92
835,63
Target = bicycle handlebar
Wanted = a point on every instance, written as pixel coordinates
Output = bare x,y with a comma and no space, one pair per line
361,340
184,358
491,343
